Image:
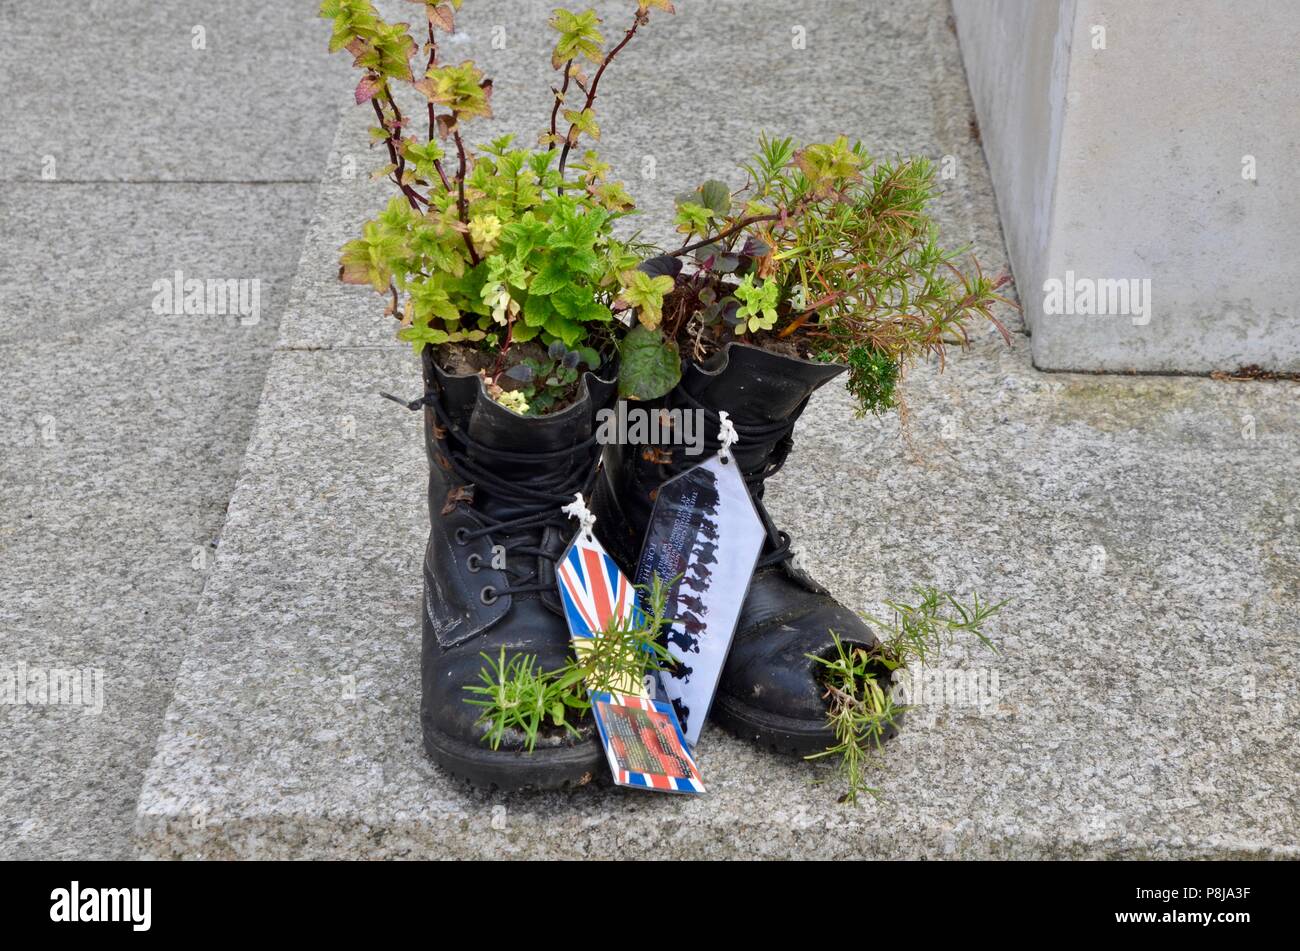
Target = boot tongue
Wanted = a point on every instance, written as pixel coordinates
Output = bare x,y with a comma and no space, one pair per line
757,387
493,427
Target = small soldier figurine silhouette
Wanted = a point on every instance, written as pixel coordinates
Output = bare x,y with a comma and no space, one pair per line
709,529
691,603
694,626
683,712
685,634
683,640
693,583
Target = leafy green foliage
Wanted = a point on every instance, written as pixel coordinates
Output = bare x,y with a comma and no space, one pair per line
543,384
700,211
579,37
494,248
757,303
693,218
621,657
515,694
917,632
646,294
650,364
872,379
862,710
459,88
825,247
832,250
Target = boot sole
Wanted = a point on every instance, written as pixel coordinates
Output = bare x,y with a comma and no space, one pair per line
787,735
495,771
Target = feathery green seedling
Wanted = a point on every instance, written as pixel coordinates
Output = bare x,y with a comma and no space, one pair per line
516,694
861,711
861,707
627,651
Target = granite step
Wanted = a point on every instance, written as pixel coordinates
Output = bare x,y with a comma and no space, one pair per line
1143,528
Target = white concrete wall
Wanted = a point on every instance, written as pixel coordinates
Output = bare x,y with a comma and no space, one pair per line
1126,163
1017,56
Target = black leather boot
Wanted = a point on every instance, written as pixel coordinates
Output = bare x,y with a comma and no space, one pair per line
768,691
497,480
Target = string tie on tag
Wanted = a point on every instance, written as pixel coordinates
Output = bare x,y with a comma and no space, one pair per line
726,436
586,520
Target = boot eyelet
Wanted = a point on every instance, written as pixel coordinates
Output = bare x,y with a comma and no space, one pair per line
488,595
462,536
474,563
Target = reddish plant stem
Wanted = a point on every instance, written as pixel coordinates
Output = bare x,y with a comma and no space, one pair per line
738,227
499,367
433,119
595,81
784,215
413,197
462,205
559,98
437,163
433,54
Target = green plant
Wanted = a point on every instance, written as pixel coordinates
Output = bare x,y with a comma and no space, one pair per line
646,294
862,710
499,247
621,656
542,383
831,252
872,378
650,366
516,694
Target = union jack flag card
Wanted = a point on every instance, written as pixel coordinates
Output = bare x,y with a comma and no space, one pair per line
595,594
644,744
593,590
642,738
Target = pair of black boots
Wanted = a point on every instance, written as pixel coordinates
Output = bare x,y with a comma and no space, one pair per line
496,484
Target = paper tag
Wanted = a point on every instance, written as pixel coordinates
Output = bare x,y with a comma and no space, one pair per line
705,529
642,738
644,744
594,593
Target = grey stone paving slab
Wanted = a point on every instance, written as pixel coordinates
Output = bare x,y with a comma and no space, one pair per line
685,101
1149,548
1145,530
112,90
122,432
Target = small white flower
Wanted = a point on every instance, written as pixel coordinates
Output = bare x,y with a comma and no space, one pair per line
513,399
799,297
498,298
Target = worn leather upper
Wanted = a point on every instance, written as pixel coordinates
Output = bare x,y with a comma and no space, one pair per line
527,458
786,615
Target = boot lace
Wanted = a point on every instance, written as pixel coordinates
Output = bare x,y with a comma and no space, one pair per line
780,434
540,497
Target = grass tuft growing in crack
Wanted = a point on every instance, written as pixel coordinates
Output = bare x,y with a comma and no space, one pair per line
515,694
861,707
